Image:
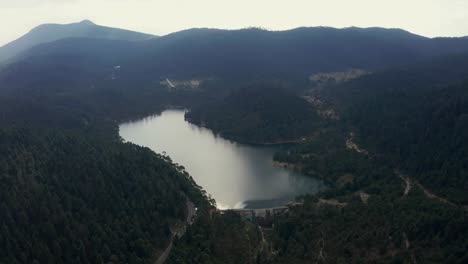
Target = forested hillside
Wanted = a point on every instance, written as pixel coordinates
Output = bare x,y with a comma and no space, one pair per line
261,113
415,118
240,54
394,156
71,191
225,238
396,162
257,53
384,227
71,199
373,212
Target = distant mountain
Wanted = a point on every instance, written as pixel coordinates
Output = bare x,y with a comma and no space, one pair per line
301,51
51,32
236,54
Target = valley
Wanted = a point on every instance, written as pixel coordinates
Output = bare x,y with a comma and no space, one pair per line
100,163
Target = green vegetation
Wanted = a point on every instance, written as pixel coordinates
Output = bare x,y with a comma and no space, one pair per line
366,217
415,120
224,239
409,142
325,156
72,192
70,199
388,228
260,113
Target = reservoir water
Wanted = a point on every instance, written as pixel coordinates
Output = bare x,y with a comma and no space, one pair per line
236,175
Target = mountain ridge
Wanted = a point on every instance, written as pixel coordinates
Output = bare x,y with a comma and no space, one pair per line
204,53
47,33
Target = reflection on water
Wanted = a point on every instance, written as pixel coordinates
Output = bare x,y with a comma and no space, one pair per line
235,175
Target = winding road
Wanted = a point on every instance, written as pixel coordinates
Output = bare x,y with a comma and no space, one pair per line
190,214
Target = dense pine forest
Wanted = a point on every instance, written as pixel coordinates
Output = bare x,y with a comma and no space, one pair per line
220,239
69,199
261,113
387,228
396,161
390,141
416,120
373,212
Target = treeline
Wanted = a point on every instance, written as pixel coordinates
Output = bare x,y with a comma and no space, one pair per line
325,156
416,120
220,238
77,102
70,199
406,122
70,190
387,228
365,216
255,53
259,113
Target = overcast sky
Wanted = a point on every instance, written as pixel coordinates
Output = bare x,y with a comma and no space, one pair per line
425,17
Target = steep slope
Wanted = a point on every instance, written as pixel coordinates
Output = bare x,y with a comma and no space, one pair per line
72,199
416,118
52,32
400,194
261,113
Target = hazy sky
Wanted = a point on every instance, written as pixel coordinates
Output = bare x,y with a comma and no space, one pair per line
425,17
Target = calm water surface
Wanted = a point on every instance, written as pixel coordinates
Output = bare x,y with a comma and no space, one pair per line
236,175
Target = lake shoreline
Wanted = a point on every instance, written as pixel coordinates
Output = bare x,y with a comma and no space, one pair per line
231,172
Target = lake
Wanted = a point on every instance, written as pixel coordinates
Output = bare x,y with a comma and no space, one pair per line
236,175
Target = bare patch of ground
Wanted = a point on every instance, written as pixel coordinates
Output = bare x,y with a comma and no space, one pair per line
321,257
364,197
332,202
409,184
337,77
324,79
431,195
407,247
407,181
350,144
182,84
320,107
